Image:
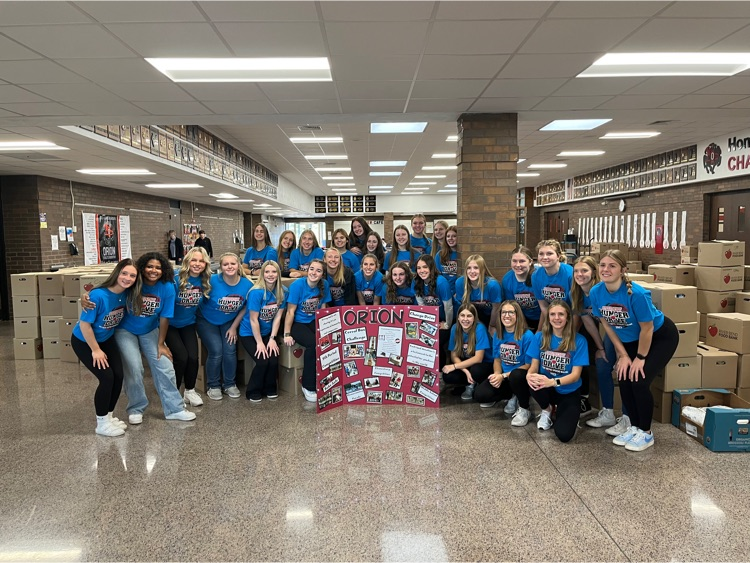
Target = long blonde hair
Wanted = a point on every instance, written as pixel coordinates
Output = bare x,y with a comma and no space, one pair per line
471,340
184,273
395,249
555,246
445,250
576,291
280,249
435,241
568,340
484,273
338,275
260,283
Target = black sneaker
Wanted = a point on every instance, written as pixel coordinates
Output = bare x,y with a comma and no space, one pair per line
585,406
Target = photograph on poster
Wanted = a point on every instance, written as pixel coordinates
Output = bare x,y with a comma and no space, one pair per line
375,397
396,380
429,377
429,328
395,360
328,382
350,368
394,396
412,331
371,382
412,400
354,391
427,339
412,371
354,351
324,400
336,338
335,367
336,396
325,342
369,358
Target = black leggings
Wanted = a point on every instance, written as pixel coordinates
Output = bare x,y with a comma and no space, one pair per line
183,343
636,395
110,379
304,335
479,372
266,370
485,392
445,355
568,410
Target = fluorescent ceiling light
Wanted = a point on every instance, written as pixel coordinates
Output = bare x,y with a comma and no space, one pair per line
281,69
341,184
520,160
385,173
426,176
581,153
452,138
340,169
668,64
388,163
381,187
30,146
416,127
157,186
263,205
116,171
316,140
415,189
326,157
451,185
446,191
444,155
380,191
422,183
631,135
551,165
574,124
337,177
527,174
344,190
439,167
225,195
234,200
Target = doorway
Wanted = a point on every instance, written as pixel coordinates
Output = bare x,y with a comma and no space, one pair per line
556,225
729,219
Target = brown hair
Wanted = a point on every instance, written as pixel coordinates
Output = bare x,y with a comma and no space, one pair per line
619,257
521,326
388,280
568,341
445,250
484,273
134,292
555,246
435,241
471,341
526,252
266,236
576,291
394,249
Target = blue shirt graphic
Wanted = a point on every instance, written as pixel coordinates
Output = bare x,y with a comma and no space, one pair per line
301,262
158,302
369,288
308,299
548,288
623,312
556,364
109,312
511,352
264,302
187,302
523,295
255,258
225,300
482,343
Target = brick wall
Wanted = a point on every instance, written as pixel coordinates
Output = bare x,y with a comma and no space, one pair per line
21,234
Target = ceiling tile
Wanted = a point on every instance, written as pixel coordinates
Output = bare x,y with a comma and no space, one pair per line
372,106
259,11
439,105
736,42
12,51
374,89
171,39
298,90
483,11
589,9
673,84
83,92
70,41
598,86
373,67
545,66
675,34
744,103
376,11
223,92
151,11
500,105
581,36
106,108
307,106
114,70
571,102
149,91
293,39
636,102
460,66
35,72
241,108
477,37
401,38
704,101
511,88
9,94
174,108
730,85
712,9
448,88
40,109
36,13
5,113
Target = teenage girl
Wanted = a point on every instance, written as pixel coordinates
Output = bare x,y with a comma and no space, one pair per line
92,340
287,243
192,283
419,242
305,297
447,259
216,316
258,328
259,252
645,341
558,354
517,285
432,289
510,348
438,236
479,287
402,250
397,286
368,282
554,279
374,245
308,250
340,279
341,243
471,352
358,234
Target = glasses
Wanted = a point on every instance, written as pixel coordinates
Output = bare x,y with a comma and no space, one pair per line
507,313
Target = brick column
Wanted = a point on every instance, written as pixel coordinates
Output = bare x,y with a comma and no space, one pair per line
487,160
388,227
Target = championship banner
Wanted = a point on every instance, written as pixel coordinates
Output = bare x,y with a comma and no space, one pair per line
383,355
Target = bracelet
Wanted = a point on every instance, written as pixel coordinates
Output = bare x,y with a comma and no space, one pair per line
287,334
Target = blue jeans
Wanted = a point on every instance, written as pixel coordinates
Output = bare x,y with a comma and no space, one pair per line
604,374
222,356
162,372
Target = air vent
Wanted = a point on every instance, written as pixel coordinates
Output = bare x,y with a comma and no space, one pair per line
34,157
310,128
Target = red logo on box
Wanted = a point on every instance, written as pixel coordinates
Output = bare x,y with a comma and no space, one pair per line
728,254
712,330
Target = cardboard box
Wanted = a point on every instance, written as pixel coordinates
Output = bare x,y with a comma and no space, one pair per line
633,254
678,302
27,348
50,284
51,327
718,367
716,301
641,278
688,339
723,430
26,327
72,285
729,331
667,273
742,302
662,405
747,278
291,356
200,381
743,371
634,266
689,251
25,306
66,352
69,307
289,380
728,278
89,282
600,247
51,348
689,260
50,305
24,284
679,373
743,394
702,325
721,253
66,328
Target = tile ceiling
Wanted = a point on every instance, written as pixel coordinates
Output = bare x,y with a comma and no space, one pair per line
68,63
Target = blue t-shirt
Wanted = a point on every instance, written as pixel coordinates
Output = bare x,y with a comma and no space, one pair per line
301,262
109,312
556,364
307,299
623,312
548,288
404,296
482,342
284,260
521,294
401,256
436,296
449,270
187,302
492,294
420,245
255,258
264,302
225,300
511,352
369,288
158,302
351,260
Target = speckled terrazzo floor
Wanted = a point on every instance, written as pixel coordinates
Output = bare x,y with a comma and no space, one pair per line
277,482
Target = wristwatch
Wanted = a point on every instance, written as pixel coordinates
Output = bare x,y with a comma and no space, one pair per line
640,356
557,382
287,334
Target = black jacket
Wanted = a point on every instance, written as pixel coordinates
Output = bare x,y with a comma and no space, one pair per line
179,250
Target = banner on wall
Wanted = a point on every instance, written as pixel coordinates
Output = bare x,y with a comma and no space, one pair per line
189,235
377,356
723,157
106,238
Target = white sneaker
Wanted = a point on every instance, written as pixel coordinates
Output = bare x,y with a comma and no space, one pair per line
511,406
310,396
623,423
135,418
233,392
116,422
193,398
626,436
181,415
488,405
545,421
521,418
106,428
606,417
215,394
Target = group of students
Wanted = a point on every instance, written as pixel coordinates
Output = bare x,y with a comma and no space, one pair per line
531,334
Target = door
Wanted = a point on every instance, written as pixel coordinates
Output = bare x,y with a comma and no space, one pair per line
729,217
556,225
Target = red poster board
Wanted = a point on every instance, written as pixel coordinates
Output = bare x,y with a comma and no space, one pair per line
384,355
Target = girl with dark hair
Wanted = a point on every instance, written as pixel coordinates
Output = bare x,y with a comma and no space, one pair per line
261,251
341,243
93,344
479,287
397,286
305,297
401,250
368,282
340,280
358,234
517,285
446,259
432,289
471,352
374,245
287,243
308,250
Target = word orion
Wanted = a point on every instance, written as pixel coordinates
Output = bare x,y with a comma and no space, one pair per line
373,316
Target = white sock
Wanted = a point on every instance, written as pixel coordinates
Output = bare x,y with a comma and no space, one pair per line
102,420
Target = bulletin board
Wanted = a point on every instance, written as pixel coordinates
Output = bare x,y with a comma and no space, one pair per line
386,355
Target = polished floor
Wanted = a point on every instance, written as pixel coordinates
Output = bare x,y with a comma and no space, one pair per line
277,482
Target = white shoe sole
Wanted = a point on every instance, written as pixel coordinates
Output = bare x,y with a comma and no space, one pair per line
184,416
193,403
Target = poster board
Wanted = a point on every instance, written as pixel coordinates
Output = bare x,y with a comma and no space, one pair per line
106,238
386,355
189,235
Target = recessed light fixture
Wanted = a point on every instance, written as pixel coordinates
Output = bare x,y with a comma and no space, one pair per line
337,177
281,69
385,173
520,160
527,174
263,205
631,135
30,146
116,171
446,191
550,165
452,138
376,163
157,186
451,185
341,184
326,157
422,183
574,124
234,200
581,153
381,187
444,155
415,189
334,169
380,191
316,140
427,176
668,64
439,167
344,190
415,127
225,195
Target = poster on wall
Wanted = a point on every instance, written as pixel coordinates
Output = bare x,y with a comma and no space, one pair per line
190,234
106,238
723,157
377,356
